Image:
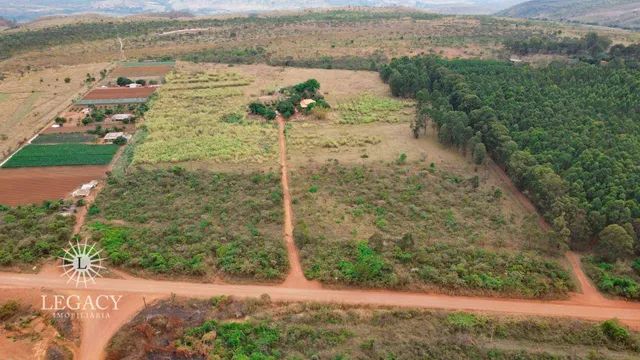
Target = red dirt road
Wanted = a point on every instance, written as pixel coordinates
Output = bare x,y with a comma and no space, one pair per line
34,185
119,93
627,312
296,277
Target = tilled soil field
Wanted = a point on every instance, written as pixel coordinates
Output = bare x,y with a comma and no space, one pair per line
120,93
34,185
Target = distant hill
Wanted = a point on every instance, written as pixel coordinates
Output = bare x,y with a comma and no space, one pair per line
24,11
5,23
617,13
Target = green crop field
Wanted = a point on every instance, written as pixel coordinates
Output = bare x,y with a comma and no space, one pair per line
64,138
62,154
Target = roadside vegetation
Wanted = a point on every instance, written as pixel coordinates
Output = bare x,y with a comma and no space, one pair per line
198,116
176,222
229,328
566,134
31,233
413,226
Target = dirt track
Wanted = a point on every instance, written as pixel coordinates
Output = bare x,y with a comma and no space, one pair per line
607,309
296,277
34,185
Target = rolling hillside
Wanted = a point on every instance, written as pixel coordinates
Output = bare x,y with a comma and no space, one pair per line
27,11
618,13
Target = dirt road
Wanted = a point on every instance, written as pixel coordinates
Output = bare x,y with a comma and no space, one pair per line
625,311
295,278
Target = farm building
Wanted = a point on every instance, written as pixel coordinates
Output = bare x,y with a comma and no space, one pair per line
306,102
85,189
121,117
112,136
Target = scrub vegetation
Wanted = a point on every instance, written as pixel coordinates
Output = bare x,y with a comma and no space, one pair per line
33,232
411,225
177,222
228,328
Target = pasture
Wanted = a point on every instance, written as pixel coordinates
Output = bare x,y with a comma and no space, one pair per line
32,99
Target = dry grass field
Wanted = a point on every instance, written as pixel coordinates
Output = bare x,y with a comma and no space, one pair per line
30,100
312,38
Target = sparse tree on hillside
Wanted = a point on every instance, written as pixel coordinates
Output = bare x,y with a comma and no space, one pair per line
479,153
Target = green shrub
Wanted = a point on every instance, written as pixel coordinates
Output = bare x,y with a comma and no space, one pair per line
462,321
614,331
8,310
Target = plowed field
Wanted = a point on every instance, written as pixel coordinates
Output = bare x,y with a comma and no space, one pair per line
120,93
33,185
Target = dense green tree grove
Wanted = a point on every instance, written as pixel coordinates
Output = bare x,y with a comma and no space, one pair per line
591,44
289,102
589,48
568,135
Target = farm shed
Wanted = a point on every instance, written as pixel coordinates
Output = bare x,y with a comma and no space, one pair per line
81,193
121,117
306,102
110,137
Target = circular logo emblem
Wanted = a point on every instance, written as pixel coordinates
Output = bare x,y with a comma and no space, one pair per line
81,263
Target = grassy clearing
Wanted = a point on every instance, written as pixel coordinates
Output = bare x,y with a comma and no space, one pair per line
192,223
61,155
368,108
410,225
30,233
201,328
64,138
187,122
25,107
